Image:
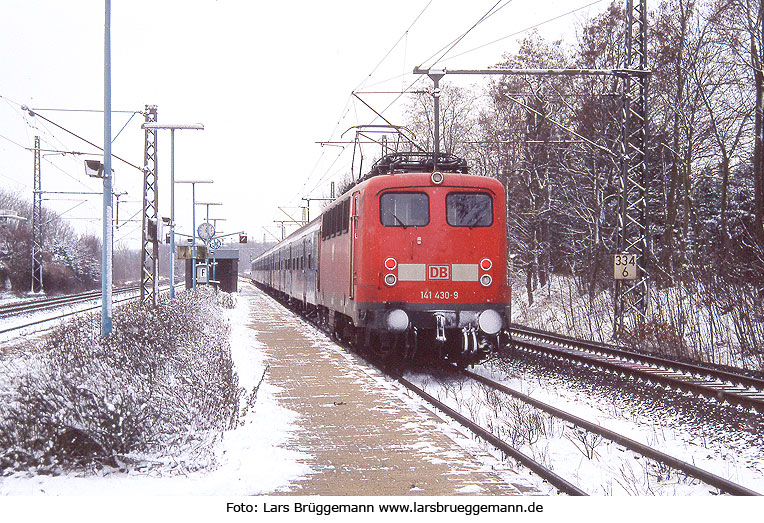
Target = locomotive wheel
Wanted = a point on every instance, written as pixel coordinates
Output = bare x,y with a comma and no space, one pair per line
357,339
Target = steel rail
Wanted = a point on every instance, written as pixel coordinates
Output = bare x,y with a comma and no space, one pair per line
562,484
557,481
605,357
649,452
73,313
21,306
44,303
619,352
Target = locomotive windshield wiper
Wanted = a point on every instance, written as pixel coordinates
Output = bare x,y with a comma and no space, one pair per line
476,222
398,220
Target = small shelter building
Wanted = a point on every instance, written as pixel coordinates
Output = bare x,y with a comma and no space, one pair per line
223,270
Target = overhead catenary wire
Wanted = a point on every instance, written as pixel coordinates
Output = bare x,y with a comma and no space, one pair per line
42,129
515,33
406,90
32,113
529,28
347,107
402,37
492,11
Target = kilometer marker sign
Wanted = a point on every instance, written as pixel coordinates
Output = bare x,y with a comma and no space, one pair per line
625,266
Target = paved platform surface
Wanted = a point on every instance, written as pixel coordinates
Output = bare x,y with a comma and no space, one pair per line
363,436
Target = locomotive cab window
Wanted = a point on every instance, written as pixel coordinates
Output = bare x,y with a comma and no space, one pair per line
404,209
469,210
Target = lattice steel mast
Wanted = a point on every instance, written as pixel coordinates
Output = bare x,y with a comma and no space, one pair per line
149,236
37,221
632,296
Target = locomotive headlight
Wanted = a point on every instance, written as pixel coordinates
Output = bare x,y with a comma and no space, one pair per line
437,177
486,280
390,264
397,320
486,264
390,280
489,321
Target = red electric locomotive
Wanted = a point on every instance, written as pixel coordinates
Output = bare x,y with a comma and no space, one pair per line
410,261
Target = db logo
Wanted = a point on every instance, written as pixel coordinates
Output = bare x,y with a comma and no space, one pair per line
438,272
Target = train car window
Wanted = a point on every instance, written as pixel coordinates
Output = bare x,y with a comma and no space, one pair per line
327,225
469,210
335,221
345,216
404,209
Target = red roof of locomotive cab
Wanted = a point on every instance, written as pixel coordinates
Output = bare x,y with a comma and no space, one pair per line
416,169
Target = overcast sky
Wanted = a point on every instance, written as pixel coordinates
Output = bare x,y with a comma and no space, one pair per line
267,79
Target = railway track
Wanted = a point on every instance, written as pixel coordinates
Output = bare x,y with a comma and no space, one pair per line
544,472
716,384
689,469
52,304
564,485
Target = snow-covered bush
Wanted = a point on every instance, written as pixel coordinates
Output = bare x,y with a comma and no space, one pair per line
226,301
160,388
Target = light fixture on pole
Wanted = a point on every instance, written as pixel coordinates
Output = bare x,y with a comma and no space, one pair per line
193,226
172,128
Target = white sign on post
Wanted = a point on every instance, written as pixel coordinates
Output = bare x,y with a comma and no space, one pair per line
625,266
201,274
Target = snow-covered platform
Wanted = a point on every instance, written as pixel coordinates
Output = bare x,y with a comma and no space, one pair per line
359,433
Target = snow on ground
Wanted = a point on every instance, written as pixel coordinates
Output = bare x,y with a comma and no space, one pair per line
251,460
47,318
726,444
8,298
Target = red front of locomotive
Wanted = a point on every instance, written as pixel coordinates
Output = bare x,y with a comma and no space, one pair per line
429,259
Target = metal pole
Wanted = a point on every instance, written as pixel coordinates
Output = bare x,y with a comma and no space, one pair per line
193,244
149,242
207,243
436,76
172,214
193,225
214,278
106,251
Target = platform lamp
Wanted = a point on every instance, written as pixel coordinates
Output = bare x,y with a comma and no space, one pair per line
193,225
172,128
